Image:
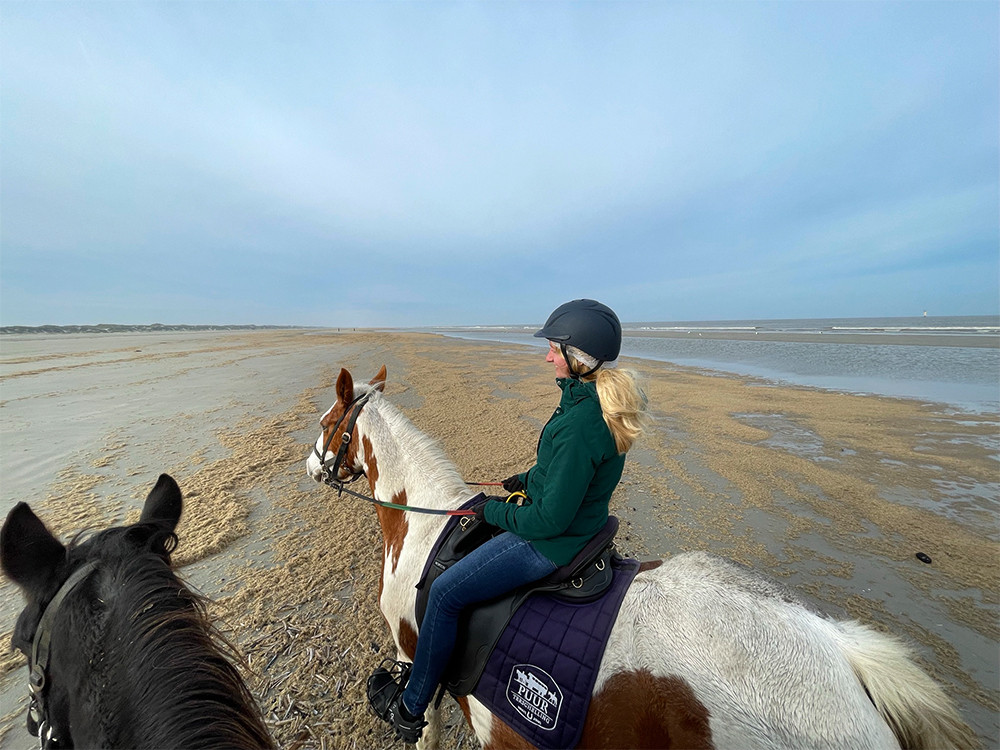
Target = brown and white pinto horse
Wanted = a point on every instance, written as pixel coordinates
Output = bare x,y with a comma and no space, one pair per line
703,653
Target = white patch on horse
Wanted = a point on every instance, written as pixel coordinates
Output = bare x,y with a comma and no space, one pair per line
314,466
481,719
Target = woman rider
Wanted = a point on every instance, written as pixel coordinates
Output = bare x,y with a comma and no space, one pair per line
580,457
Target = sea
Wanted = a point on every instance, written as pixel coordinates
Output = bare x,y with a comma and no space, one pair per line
935,359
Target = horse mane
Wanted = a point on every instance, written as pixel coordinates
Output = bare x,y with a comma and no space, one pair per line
417,446
158,652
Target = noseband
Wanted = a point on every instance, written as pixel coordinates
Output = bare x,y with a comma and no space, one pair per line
38,718
330,470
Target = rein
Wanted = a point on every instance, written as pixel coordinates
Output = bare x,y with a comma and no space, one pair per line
38,720
339,486
332,470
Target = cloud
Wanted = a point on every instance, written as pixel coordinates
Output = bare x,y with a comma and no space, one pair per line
479,160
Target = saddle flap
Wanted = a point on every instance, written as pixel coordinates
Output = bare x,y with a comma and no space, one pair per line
461,535
481,626
541,673
583,580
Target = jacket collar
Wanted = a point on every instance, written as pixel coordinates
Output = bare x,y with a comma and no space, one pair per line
575,391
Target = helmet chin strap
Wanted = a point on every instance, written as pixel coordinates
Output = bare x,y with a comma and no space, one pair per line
575,376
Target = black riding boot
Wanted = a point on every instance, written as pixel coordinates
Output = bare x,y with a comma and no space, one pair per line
385,694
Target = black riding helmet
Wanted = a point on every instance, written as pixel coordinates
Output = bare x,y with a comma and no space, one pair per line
588,325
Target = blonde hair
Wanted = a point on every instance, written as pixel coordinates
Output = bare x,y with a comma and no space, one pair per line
623,402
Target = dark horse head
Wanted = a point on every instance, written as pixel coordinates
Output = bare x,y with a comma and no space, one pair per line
125,653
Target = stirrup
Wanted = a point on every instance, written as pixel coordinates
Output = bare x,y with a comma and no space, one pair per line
385,694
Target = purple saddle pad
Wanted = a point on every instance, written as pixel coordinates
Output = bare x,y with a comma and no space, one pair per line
539,677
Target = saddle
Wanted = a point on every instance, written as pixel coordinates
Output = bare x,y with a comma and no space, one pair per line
584,579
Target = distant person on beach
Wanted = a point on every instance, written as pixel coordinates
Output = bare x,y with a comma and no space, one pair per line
580,457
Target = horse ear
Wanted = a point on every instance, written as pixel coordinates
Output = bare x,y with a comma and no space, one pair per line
29,554
164,503
378,382
345,387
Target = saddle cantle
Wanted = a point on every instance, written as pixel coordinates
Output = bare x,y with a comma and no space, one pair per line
585,579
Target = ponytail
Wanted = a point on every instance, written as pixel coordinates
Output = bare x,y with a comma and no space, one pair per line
623,404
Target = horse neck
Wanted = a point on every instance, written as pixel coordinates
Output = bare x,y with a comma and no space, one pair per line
406,467
403,463
156,675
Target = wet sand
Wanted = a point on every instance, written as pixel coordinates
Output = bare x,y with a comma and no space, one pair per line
830,493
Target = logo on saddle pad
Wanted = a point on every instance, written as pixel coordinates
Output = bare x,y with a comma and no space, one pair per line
534,695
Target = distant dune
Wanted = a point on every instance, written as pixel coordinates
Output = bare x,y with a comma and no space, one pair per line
123,328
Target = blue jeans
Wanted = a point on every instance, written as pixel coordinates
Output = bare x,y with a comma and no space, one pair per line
497,567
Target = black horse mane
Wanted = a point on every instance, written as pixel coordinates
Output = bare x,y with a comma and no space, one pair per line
160,666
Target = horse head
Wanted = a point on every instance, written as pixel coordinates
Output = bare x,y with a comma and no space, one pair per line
335,455
57,583
107,622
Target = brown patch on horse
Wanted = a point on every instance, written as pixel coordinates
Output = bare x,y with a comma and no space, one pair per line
345,387
463,703
370,462
502,736
378,382
351,454
638,710
329,420
394,528
649,565
407,639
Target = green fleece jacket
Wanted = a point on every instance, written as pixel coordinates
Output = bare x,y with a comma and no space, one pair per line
576,470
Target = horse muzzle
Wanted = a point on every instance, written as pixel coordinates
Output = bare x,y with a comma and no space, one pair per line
314,467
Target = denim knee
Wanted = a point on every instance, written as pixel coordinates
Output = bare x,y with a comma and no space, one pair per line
445,598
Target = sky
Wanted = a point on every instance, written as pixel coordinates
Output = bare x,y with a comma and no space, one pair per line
459,163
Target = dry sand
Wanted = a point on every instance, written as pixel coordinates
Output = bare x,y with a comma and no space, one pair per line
830,493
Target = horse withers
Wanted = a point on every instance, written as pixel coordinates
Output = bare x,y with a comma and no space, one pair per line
703,653
120,652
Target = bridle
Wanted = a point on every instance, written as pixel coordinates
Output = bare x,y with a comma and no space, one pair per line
330,470
38,716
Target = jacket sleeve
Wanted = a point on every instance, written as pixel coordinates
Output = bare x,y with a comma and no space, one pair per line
569,474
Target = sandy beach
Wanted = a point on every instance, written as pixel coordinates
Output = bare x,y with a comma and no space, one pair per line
830,493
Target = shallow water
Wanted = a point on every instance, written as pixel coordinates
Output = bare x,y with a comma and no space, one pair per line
955,361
